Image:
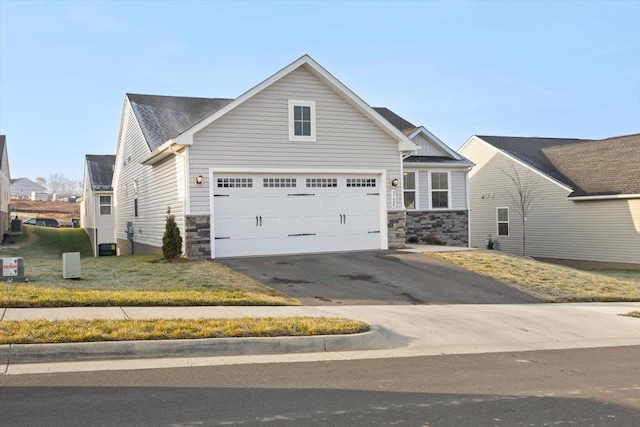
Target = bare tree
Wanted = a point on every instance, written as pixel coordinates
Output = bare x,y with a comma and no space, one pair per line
522,197
58,184
41,182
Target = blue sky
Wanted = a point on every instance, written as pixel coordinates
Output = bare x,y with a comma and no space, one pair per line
559,69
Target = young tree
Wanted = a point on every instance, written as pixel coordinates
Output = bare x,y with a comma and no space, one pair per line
41,182
522,197
171,241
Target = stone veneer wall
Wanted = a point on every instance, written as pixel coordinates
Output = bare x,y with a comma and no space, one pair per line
397,229
450,227
198,237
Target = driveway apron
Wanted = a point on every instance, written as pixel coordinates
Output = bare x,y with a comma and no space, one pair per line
374,277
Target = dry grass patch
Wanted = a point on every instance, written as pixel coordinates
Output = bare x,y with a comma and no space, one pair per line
44,331
633,314
549,282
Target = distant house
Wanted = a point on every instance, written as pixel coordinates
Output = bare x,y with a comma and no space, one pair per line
587,196
5,187
23,187
96,208
434,187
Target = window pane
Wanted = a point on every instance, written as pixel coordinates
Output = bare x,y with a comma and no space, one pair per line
439,181
503,215
440,199
409,180
105,210
410,199
297,128
105,200
503,229
297,113
306,113
306,128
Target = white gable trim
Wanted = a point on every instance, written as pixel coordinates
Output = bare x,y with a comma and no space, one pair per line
404,143
516,160
437,141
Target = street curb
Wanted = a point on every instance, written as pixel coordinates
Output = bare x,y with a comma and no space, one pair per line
376,338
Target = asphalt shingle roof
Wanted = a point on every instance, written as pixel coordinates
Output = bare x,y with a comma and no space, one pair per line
100,169
590,167
398,122
164,117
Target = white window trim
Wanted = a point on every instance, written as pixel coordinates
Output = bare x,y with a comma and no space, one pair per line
508,221
449,207
416,190
100,204
302,103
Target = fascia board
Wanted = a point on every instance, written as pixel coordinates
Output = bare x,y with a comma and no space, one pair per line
422,165
162,152
605,197
521,163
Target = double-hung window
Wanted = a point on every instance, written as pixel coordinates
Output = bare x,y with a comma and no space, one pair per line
409,187
439,190
302,120
105,205
503,221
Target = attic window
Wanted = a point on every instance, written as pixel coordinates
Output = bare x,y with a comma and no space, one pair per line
302,120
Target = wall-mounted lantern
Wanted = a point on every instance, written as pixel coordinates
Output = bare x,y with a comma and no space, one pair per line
394,182
199,179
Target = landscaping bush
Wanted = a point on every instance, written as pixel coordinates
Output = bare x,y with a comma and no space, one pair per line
171,241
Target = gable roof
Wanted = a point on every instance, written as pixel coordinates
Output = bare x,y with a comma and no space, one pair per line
100,170
162,118
583,165
3,149
411,131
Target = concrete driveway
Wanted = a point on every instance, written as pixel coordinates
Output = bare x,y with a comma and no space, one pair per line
374,277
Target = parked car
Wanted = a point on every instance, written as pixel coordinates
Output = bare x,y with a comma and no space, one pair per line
43,222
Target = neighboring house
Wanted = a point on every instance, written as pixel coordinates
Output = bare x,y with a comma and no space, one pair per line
23,187
435,187
5,187
96,208
587,196
299,163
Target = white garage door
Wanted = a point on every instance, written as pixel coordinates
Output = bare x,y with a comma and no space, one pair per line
286,214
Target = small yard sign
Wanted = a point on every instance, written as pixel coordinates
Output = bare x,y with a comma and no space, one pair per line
13,270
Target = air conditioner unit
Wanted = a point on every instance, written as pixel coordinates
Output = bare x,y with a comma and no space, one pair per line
71,265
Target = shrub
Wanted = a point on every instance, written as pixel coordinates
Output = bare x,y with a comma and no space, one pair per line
413,239
171,241
433,240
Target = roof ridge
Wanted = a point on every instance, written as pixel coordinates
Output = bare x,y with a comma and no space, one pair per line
176,96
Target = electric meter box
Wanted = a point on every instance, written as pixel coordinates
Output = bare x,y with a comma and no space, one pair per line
13,270
71,265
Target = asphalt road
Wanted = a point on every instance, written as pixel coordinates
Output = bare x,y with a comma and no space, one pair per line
588,387
374,277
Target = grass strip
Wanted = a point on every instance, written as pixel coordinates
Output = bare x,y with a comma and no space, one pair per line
68,331
31,296
549,282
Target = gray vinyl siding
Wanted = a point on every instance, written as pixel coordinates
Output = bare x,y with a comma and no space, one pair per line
428,148
459,190
159,187
256,135
423,190
557,227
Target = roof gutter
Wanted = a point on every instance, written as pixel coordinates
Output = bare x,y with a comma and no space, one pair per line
169,148
606,197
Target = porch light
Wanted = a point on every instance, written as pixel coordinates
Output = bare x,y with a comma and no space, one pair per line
199,179
394,182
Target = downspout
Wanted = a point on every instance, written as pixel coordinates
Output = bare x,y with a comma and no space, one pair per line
468,209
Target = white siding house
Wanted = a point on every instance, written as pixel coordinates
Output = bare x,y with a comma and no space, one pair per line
5,187
96,208
298,163
586,197
23,187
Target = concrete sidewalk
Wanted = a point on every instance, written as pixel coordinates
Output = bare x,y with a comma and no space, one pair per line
397,331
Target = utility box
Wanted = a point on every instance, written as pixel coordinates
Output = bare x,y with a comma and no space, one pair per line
13,270
71,265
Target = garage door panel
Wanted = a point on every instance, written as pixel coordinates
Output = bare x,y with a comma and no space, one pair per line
281,215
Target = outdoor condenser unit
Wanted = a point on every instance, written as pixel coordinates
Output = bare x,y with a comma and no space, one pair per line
71,265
